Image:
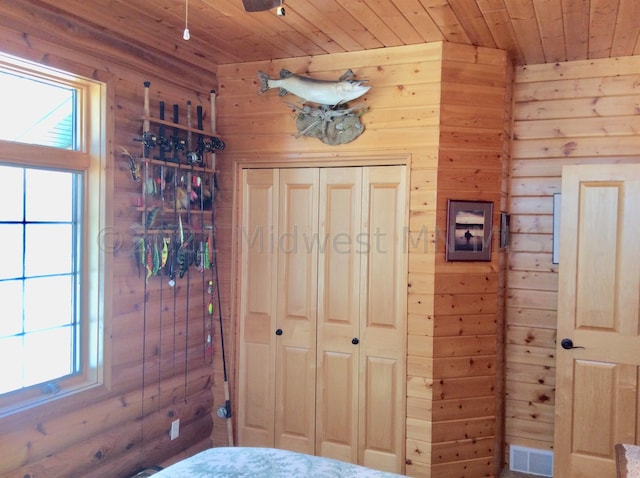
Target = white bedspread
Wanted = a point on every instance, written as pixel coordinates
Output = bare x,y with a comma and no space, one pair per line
239,462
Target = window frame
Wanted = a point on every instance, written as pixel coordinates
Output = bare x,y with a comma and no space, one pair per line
90,158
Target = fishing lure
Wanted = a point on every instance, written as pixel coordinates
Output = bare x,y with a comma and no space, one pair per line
139,247
165,252
149,260
171,264
207,260
182,261
151,217
199,259
156,257
134,166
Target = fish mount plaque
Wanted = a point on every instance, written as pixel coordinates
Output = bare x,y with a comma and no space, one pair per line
331,120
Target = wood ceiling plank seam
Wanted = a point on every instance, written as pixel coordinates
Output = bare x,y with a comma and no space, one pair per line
228,34
391,14
93,40
525,25
368,28
264,23
220,51
225,28
575,14
242,45
147,28
417,16
627,29
602,21
312,33
144,35
329,23
501,28
445,18
473,22
549,18
297,38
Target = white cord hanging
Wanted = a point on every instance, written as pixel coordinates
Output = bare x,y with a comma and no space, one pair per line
186,35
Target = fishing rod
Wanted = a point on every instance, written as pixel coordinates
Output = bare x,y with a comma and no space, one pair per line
223,412
184,266
145,154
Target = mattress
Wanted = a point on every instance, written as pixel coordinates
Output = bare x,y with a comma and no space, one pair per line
252,462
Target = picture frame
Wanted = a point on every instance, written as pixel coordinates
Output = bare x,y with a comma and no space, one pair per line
555,255
469,231
505,224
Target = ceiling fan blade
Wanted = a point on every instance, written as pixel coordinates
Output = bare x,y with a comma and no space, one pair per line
260,5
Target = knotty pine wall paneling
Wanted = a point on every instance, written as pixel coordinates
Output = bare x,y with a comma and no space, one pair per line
473,150
152,380
440,107
566,113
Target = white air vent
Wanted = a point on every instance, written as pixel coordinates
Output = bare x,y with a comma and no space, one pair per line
530,460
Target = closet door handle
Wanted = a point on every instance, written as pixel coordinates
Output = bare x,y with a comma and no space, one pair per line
355,341
278,331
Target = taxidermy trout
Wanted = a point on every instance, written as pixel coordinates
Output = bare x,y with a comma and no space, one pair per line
323,92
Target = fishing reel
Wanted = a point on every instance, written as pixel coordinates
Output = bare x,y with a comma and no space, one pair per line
194,157
178,144
216,144
148,139
165,144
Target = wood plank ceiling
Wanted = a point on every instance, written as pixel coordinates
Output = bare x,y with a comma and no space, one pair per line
533,31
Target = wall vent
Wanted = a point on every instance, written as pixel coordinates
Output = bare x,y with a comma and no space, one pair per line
530,460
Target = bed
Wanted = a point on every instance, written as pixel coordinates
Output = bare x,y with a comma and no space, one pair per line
253,462
627,460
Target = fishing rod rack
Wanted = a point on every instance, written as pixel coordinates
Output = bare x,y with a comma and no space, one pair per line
176,235
177,174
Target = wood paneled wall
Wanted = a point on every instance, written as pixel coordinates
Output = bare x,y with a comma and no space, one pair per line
565,113
442,108
153,376
459,342
469,297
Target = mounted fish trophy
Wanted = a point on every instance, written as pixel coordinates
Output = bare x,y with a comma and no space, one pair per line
332,121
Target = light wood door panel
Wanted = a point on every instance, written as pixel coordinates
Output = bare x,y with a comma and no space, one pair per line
598,309
339,313
297,284
256,387
383,312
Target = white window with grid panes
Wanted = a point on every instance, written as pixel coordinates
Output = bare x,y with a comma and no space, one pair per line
52,213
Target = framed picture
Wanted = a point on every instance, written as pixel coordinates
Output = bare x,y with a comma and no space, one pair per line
505,224
555,257
469,230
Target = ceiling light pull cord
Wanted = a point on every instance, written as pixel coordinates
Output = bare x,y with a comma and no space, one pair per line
186,35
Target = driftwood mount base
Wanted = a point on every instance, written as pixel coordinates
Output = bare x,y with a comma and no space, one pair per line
330,124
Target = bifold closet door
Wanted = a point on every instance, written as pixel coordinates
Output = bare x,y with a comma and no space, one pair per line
297,284
383,293
339,313
257,308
